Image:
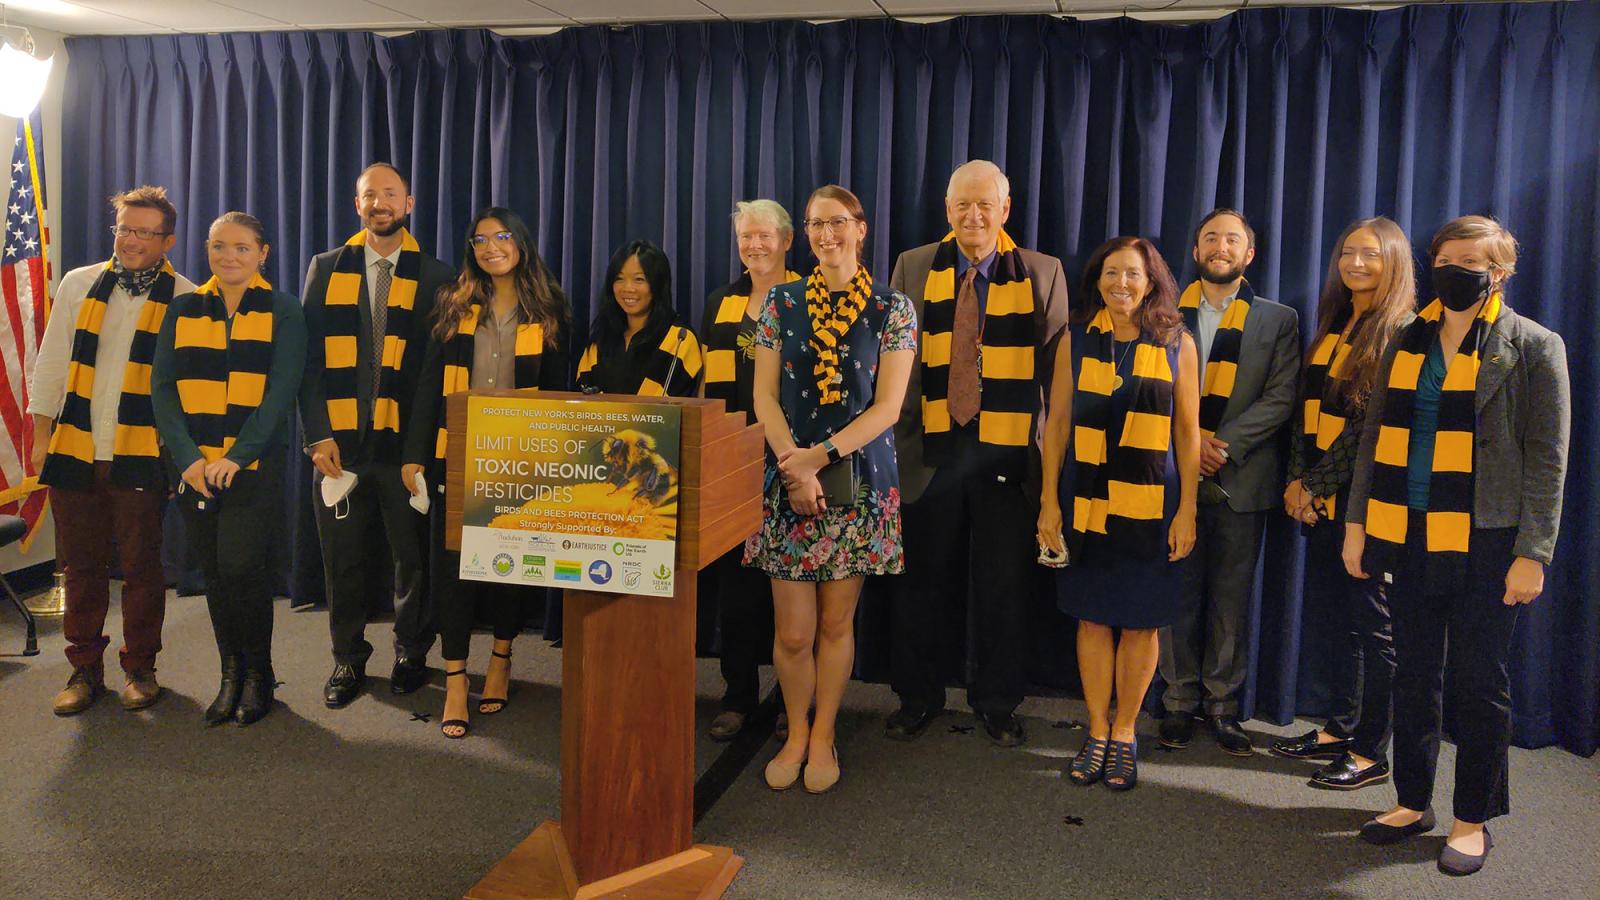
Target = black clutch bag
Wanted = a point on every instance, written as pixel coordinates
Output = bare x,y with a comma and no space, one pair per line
839,483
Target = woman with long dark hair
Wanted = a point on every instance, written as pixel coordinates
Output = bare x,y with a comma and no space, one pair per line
1370,292
1456,505
1126,400
228,363
503,323
637,348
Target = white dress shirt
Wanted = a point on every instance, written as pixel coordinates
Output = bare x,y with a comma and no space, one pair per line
47,391
1210,319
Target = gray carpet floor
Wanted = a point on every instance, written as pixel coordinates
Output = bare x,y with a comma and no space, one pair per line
371,801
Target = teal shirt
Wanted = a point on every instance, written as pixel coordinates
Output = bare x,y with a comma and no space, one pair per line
1424,427
266,428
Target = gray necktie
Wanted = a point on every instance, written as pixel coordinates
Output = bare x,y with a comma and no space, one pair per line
380,321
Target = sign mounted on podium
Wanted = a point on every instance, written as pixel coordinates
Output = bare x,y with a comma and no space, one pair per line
571,495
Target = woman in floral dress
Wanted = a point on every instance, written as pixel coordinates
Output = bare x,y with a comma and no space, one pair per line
833,355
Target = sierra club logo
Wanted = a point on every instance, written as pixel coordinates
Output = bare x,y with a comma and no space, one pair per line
663,572
569,570
503,564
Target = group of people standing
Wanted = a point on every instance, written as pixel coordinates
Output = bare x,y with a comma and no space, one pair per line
954,427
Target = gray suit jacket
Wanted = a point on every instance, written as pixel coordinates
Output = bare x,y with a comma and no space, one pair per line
1524,413
1050,311
1262,402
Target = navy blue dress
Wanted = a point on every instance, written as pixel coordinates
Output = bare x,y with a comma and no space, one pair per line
1117,588
843,541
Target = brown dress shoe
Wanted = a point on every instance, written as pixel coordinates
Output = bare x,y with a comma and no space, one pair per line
141,691
82,690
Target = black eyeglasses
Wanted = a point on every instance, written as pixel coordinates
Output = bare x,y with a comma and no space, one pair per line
500,237
143,234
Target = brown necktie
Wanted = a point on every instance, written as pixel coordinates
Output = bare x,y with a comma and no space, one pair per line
964,385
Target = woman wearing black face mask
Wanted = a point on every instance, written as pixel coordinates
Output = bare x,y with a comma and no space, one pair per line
1455,504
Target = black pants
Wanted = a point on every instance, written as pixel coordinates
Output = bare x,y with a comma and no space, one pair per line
377,509
1477,627
1352,616
1205,654
228,542
456,601
969,551
743,597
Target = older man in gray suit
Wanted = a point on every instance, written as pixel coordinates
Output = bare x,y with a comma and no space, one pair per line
1249,358
991,316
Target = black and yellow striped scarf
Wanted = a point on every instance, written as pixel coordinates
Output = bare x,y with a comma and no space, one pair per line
830,322
1120,501
342,321
1222,363
722,346
458,362
1009,396
136,460
1449,515
677,344
1323,411
223,370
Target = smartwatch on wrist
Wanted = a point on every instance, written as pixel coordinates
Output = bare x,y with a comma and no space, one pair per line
833,452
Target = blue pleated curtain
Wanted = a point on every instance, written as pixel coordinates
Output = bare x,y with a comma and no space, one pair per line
1304,118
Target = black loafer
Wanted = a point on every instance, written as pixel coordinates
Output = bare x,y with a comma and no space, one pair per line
1177,730
408,675
343,685
1454,862
908,722
1345,774
1231,737
1375,832
1004,729
1306,747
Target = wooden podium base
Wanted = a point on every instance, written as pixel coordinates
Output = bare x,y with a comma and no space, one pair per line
540,868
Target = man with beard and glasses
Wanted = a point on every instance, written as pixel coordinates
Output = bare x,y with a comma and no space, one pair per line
367,307
95,445
1249,354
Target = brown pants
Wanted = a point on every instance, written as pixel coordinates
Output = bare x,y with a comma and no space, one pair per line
86,522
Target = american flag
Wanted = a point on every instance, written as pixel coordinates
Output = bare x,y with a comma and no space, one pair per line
24,281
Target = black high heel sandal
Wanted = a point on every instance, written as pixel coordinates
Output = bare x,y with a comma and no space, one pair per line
1122,765
498,703
455,723
1089,764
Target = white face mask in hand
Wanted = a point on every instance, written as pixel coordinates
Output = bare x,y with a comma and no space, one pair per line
419,500
337,489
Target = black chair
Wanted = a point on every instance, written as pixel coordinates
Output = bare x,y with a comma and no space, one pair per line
13,529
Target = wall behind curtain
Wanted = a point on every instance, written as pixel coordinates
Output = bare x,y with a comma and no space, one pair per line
1304,118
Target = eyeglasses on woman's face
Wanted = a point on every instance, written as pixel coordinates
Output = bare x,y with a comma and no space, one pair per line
502,238
836,225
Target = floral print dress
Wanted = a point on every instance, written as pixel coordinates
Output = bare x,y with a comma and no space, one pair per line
844,541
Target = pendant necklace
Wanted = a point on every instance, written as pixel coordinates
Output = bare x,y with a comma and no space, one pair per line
1116,381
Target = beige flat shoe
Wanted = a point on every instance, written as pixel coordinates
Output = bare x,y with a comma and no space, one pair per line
781,775
821,779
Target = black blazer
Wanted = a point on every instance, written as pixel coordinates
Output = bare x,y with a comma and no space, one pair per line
313,398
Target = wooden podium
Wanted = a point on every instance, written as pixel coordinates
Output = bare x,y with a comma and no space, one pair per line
627,695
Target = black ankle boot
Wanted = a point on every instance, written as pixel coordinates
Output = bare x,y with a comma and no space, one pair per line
222,708
255,700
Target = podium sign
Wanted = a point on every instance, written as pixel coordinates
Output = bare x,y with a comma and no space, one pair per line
571,494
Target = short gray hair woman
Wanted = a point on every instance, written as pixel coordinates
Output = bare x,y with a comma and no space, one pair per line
764,233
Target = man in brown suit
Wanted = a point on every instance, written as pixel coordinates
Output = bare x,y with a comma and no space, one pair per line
991,315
